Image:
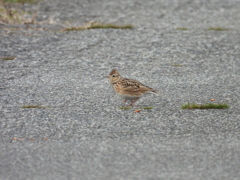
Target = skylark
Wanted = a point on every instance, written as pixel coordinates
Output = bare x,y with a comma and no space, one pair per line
128,89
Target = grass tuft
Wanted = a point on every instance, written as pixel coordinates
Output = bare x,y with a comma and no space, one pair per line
33,106
182,28
125,108
7,58
113,26
13,14
95,25
205,106
217,29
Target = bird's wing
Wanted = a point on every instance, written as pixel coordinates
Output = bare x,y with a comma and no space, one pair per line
131,85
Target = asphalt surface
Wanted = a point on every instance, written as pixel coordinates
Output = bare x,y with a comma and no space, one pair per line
82,133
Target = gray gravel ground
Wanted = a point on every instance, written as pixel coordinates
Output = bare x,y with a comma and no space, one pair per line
82,133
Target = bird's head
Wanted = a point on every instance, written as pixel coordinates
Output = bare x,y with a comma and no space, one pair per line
114,76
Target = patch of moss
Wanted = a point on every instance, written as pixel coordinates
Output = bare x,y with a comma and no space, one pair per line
217,29
33,106
182,28
7,58
205,106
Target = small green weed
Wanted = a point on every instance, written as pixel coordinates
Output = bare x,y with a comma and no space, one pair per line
112,26
217,29
7,58
205,106
125,108
95,25
33,106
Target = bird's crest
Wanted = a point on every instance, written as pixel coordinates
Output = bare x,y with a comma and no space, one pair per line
114,71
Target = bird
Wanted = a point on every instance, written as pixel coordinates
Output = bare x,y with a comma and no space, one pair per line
128,89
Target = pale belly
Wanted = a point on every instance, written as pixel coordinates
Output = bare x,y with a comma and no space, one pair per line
128,97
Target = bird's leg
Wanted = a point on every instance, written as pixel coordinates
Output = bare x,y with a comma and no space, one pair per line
125,102
133,101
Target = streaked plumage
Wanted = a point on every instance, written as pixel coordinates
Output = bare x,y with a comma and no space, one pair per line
128,89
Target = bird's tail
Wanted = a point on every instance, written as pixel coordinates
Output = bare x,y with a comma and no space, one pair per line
155,92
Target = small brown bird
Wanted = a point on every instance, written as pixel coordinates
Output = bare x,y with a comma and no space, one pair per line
128,89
